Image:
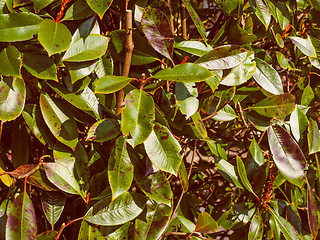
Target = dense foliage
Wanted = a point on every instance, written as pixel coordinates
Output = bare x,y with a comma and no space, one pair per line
159,119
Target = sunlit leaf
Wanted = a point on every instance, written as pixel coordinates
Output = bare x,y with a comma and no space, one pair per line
206,224
99,6
10,62
298,123
256,228
287,155
88,231
229,172
186,95
305,45
307,95
194,47
263,13
243,176
313,136
111,84
103,130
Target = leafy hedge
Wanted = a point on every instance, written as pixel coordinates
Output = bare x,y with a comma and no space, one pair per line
159,119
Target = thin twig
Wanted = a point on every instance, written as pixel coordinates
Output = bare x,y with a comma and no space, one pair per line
1,127
183,21
241,115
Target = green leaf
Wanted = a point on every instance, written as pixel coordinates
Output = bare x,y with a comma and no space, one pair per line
40,66
22,222
163,149
40,4
88,231
186,95
256,152
243,176
186,72
298,123
229,172
199,126
47,235
10,62
124,208
214,81
282,60
263,13
277,106
286,228
225,114
78,70
52,205
156,27
223,57
241,73
62,178
104,66
227,6
313,136
256,228
305,46
54,37
312,211
267,77
196,20
307,95
33,117
78,10
287,155
237,216
12,98
138,115
6,179
120,168
84,100
59,120
99,6
111,84
40,180
193,47
18,26
152,224
103,130
206,224
87,48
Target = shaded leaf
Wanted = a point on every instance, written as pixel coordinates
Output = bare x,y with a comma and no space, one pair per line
206,224
99,6
40,4
256,228
287,155
78,70
111,84
78,10
156,27
313,136
21,222
12,98
54,37
267,77
138,115
10,62
116,232
47,235
124,208
186,72
243,176
152,222
163,149
88,231
52,205
199,125
223,57
103,130
312,211
18,26
277,106
307,95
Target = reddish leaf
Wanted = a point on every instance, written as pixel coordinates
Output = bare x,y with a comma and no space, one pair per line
312,213
156,27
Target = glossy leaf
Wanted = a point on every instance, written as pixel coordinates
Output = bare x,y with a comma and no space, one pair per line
206,224
241,73
40,66
187,72
116,232
40,180
52,205
227,6
225,114
10,62
103,130
194,47
84,100
199,125
157,30
229,172
99,6
312,211
313,136
163,149
186,95
40,4
21,222
6,179
18,26
256,228
196,20
152,224
111,84
263,13
287,155
120,169
78,70
87,48
59,120
298,123
282,60
104,66
123,209
54,37
267,77
88,231
286,228
277,106
243,176
223,57
47,235
305,45
78,10
12,98
137,116
307,96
